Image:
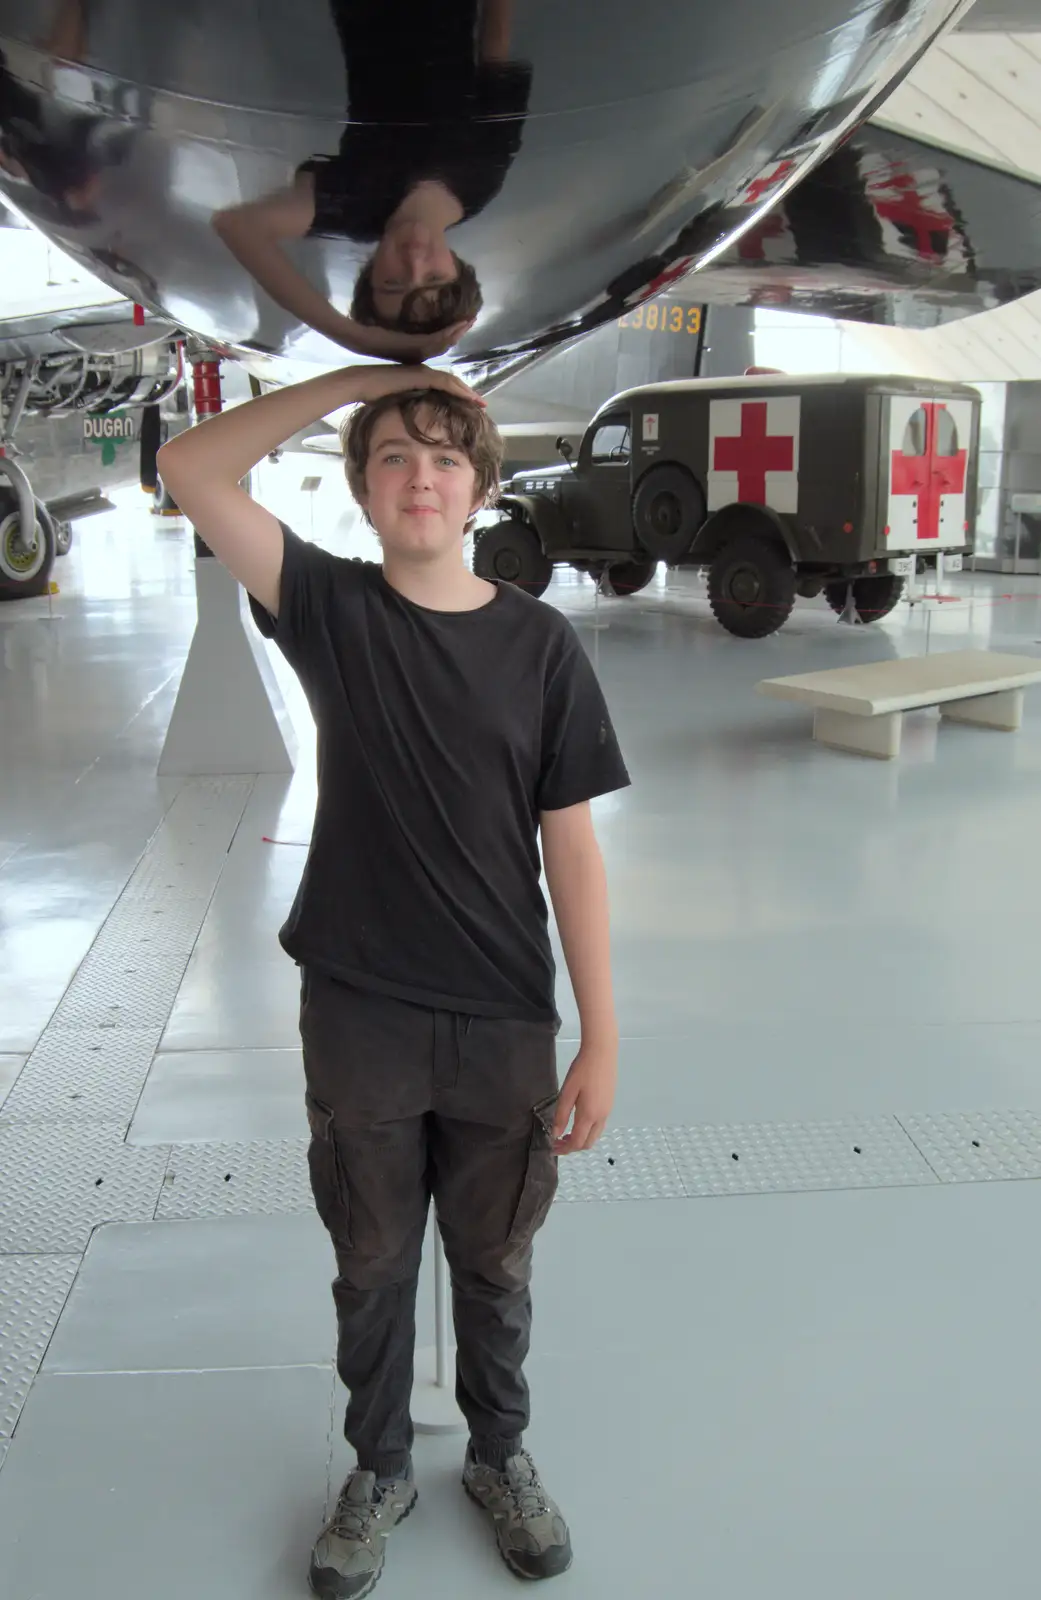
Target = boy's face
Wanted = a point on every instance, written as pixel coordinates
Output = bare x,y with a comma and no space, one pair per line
411,256
419,497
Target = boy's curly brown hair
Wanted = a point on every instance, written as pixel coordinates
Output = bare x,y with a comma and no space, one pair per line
467,428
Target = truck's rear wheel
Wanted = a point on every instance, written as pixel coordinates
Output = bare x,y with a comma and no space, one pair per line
629,577
751,586
873,597
509,552
668,510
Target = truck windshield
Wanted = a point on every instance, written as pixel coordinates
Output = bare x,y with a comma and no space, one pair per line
611,442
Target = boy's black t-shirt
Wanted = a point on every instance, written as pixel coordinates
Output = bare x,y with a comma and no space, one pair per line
441,737
421,104
468,145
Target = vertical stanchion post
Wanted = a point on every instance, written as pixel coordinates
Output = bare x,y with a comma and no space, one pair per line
308,486
911,590
209,402
440,1311
433,1405
600,580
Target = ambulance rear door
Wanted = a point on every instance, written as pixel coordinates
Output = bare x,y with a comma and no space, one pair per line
926,476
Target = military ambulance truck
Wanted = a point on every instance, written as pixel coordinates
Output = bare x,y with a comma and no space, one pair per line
778,486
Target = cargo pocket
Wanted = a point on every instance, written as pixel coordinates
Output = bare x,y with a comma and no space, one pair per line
540,1179
328,1181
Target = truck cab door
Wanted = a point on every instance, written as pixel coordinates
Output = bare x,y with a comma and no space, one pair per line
603,484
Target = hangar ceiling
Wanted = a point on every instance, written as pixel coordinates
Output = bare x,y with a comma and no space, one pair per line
1002,16
979,94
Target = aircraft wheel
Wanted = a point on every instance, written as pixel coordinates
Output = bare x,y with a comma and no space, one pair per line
163,502
510,552
62,536
25,570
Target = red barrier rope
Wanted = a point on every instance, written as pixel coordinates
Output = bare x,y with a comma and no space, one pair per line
867,611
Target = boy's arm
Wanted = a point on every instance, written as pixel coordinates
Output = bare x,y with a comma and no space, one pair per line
494,30
577,885
254,233
202,467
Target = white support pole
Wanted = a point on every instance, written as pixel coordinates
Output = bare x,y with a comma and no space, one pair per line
229,716
433,1396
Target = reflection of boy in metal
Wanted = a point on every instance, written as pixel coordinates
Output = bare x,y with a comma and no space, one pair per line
54,150
436,111
56,163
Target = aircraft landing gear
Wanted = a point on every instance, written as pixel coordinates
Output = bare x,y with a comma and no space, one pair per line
26,559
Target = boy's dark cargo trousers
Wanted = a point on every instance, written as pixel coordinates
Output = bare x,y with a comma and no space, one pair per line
405,1102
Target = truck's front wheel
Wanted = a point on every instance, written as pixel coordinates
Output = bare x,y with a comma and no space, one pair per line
873,597
751,586
509,552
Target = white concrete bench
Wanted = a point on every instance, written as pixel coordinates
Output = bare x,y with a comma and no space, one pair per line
861,708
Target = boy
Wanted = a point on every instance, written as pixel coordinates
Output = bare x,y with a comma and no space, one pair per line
456,719
434,121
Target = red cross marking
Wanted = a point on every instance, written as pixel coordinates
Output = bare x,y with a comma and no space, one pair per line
929,476
760,186
908,209
750,246
753,453
668,275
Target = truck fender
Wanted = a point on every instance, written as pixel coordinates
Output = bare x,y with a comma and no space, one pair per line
729,521
540,514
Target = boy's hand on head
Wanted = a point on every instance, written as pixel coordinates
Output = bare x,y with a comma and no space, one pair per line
373,382
413,348
429,345
410,348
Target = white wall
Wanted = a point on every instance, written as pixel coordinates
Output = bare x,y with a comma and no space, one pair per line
996,346
979,93
39,277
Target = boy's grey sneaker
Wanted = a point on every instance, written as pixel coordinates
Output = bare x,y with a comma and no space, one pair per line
348,1555
533,1537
